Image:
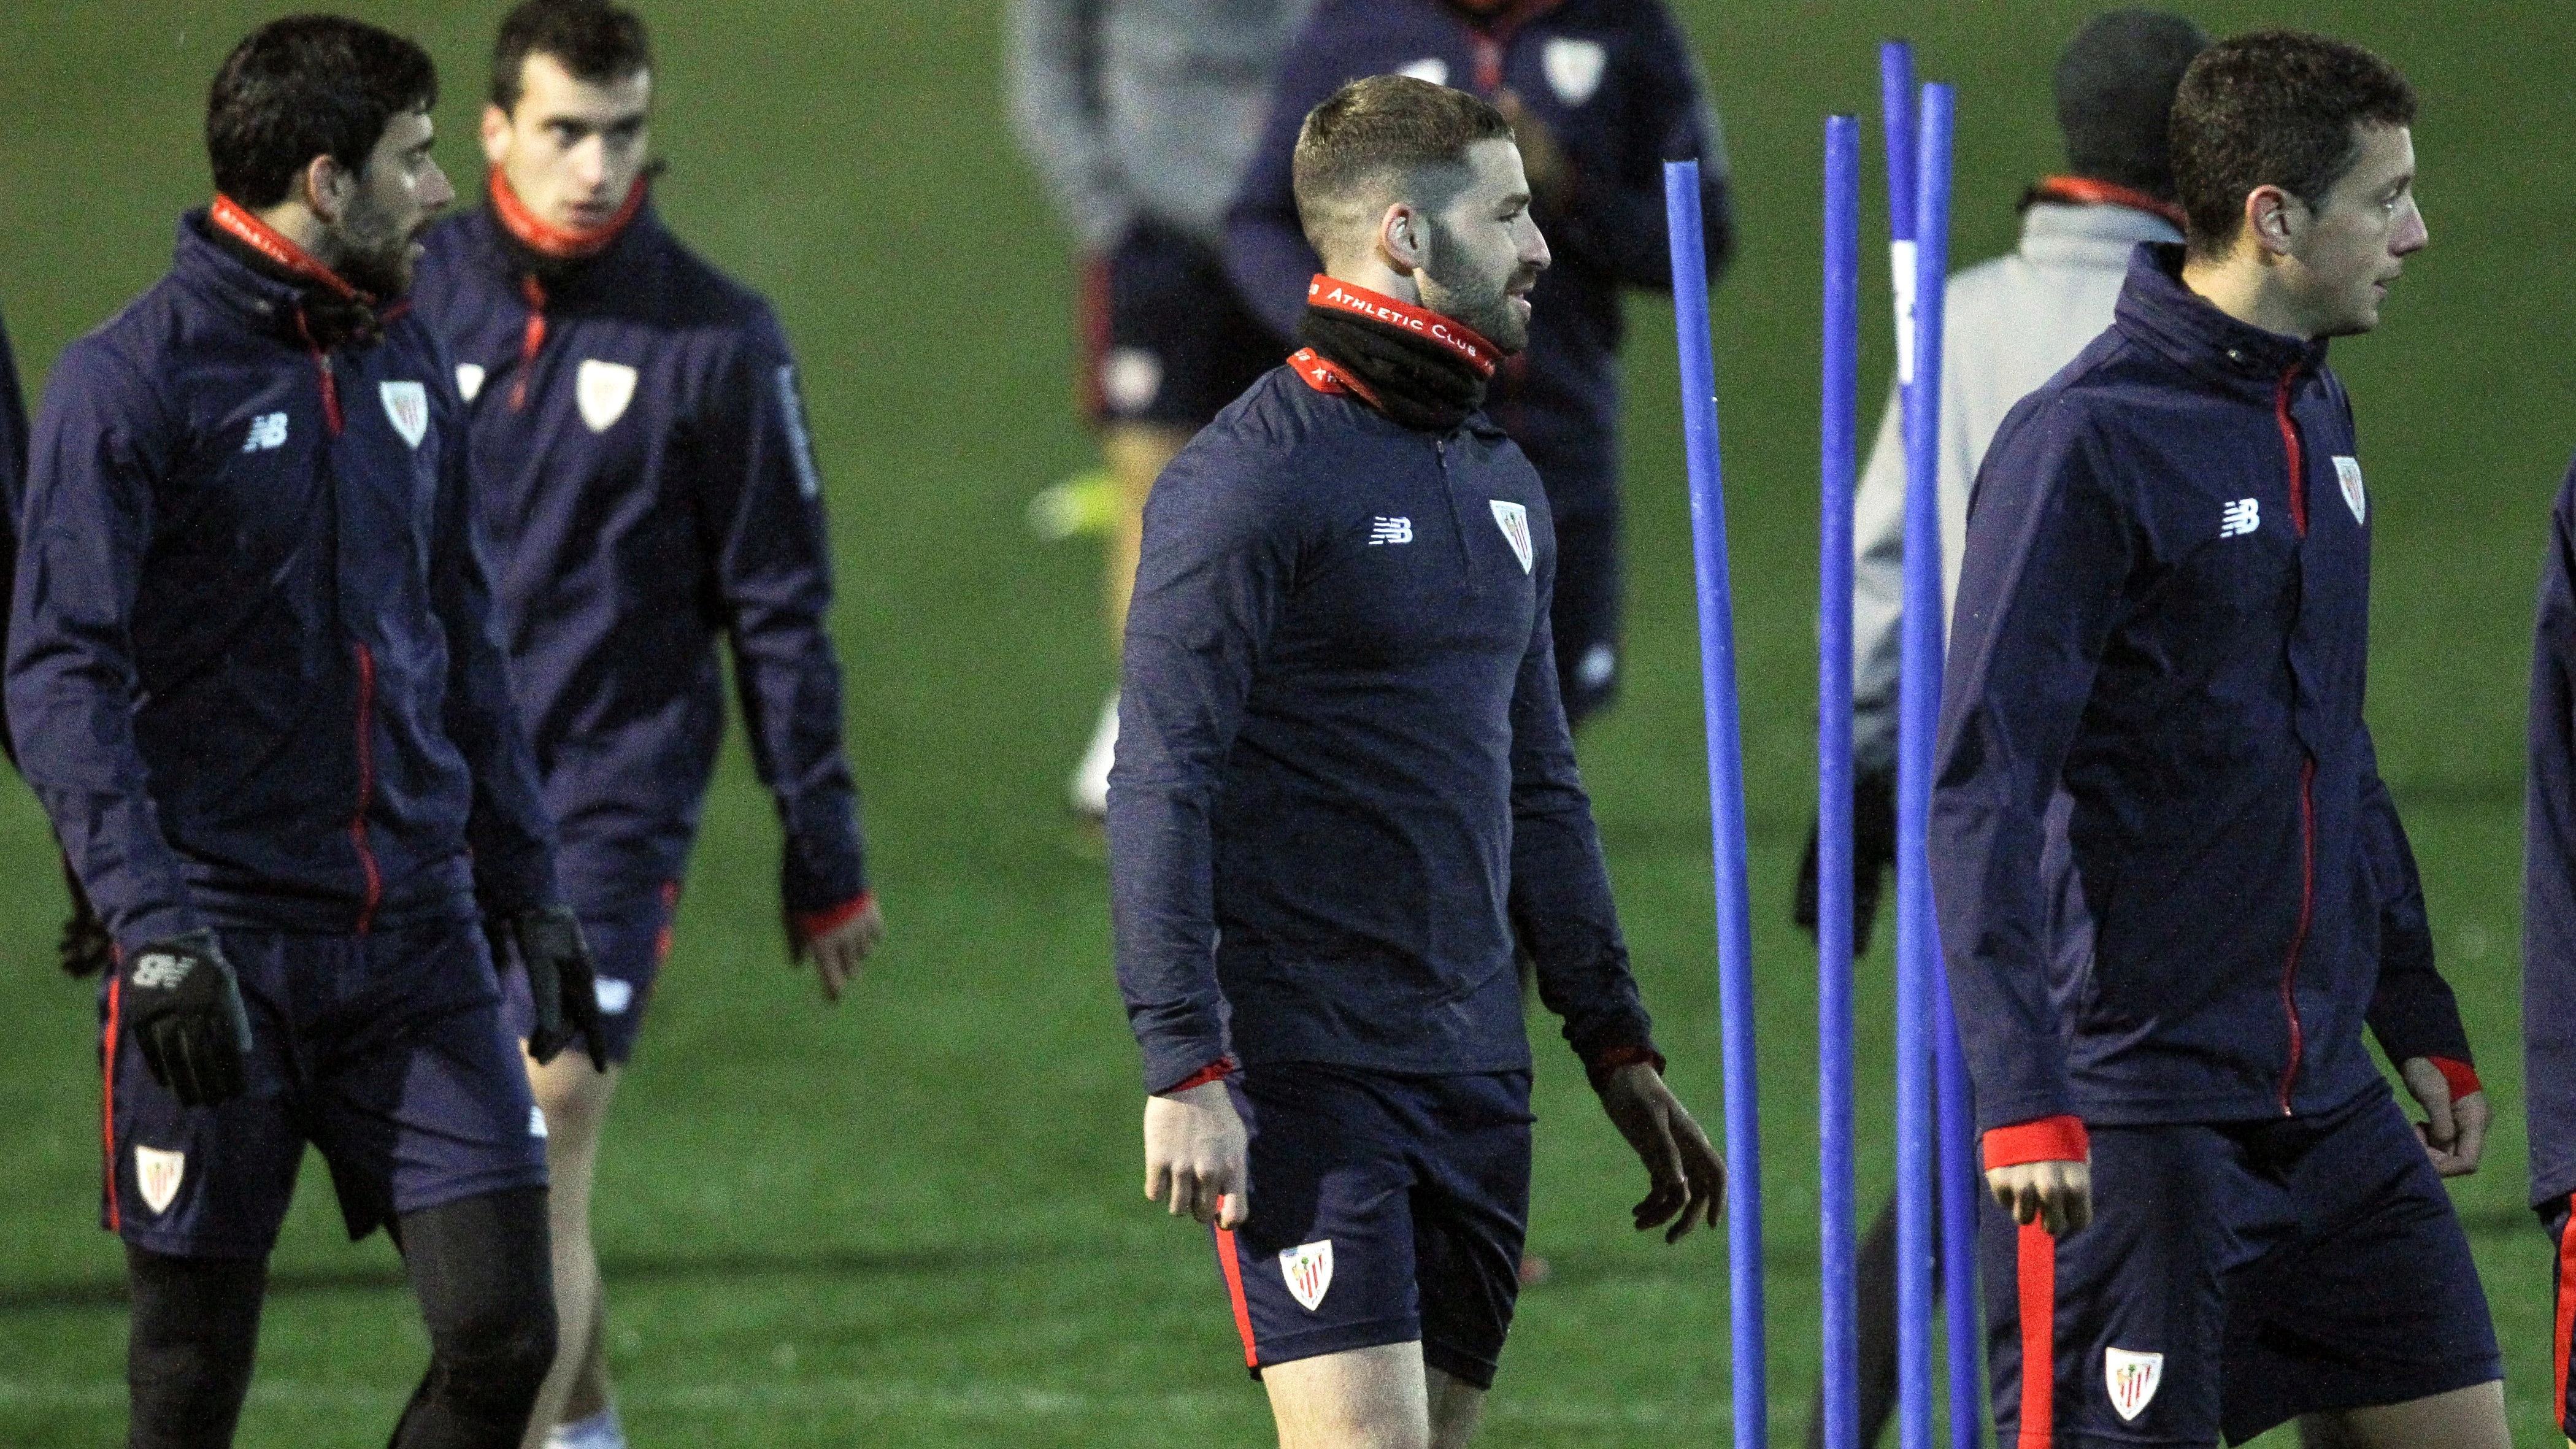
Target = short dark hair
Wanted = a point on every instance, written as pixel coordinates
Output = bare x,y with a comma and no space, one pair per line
307,86
594,40
1383,127
2114,84
2274,108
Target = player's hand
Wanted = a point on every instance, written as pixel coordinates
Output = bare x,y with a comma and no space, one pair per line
1542,160
561,982
2056,1195
1194,1156
839,953
2454,1133
1688,1177
1873,856
183,1005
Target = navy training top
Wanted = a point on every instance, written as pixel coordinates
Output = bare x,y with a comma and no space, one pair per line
1344,778
252,674
2549,869
646,486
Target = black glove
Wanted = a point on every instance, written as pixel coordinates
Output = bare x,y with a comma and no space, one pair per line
85,948
181,1003
1873,853
560,980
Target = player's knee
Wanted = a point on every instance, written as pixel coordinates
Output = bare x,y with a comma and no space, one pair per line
490,1363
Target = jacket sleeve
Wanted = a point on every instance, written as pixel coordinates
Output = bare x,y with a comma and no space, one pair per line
1613,219
1560,892
1878,590
507,826
1220,556
102,439
1056,112
2048,551
2549,868
1265,245
2412,1011
13,500
761,505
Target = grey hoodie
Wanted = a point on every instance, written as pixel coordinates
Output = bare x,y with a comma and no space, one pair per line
1143,108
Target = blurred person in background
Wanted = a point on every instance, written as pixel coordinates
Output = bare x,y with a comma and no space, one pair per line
647,488
1138,115
1600,93
254,681
2549,937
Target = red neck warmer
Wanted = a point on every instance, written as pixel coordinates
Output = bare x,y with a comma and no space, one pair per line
560,243
2085,191
1450,335
236,221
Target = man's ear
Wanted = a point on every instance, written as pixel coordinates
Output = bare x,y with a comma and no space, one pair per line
1403,238
496,134
2276,219
327,187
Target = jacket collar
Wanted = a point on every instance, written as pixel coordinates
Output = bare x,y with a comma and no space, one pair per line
504,258
2160,312
262,299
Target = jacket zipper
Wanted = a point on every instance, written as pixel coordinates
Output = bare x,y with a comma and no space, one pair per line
531,338
2307,768
1457,520
366,788
322,367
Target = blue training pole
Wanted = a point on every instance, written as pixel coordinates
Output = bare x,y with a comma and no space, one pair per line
1839,437
1725,799
1914,1246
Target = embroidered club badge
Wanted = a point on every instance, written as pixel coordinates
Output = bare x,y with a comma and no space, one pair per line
1573,68
158,1174
2132,1378
1308,1267
407,405
469,379
602,390
1513,519
2348,473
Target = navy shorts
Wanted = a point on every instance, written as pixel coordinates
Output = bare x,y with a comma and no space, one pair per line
1167,339
1385,1209
628,945
2236,1276
384,1051
1584,616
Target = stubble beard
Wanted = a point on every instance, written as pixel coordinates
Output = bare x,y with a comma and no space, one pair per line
372,252
1484,306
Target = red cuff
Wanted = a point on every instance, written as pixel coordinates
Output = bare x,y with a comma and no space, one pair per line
1215,1071
2462,1077
2046,1139
806,925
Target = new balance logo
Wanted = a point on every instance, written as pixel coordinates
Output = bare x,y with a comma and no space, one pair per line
2242,516
1390,530
267,431
161,971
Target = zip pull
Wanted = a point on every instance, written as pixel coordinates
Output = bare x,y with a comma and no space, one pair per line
322,366
1457,520
530,340
2290,445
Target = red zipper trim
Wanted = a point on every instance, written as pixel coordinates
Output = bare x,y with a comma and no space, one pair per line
322,368
532,338
107,1124
2298,455
2299,939
366,787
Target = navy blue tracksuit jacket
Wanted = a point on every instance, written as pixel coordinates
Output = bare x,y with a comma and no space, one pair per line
1344,778
1613,82
13,484
252,673
646,485
2549,869
2165,609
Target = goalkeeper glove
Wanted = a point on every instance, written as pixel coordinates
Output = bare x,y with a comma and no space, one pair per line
561,982
183,1005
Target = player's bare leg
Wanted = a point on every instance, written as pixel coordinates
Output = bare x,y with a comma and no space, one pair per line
575,1100
2470,1418
1135,454
1371,1398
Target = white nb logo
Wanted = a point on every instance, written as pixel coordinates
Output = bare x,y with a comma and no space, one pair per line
160,971
1390,530
267,431
2242,516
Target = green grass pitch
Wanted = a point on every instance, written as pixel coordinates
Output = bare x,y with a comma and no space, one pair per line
916,1220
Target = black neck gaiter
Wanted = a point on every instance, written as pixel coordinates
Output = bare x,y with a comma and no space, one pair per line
1416,382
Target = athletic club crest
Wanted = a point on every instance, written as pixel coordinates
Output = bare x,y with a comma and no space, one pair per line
157,1173
407,405
469,379
2348,473
1513,519
1308,1267
602,390
1573,68
2132,1378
